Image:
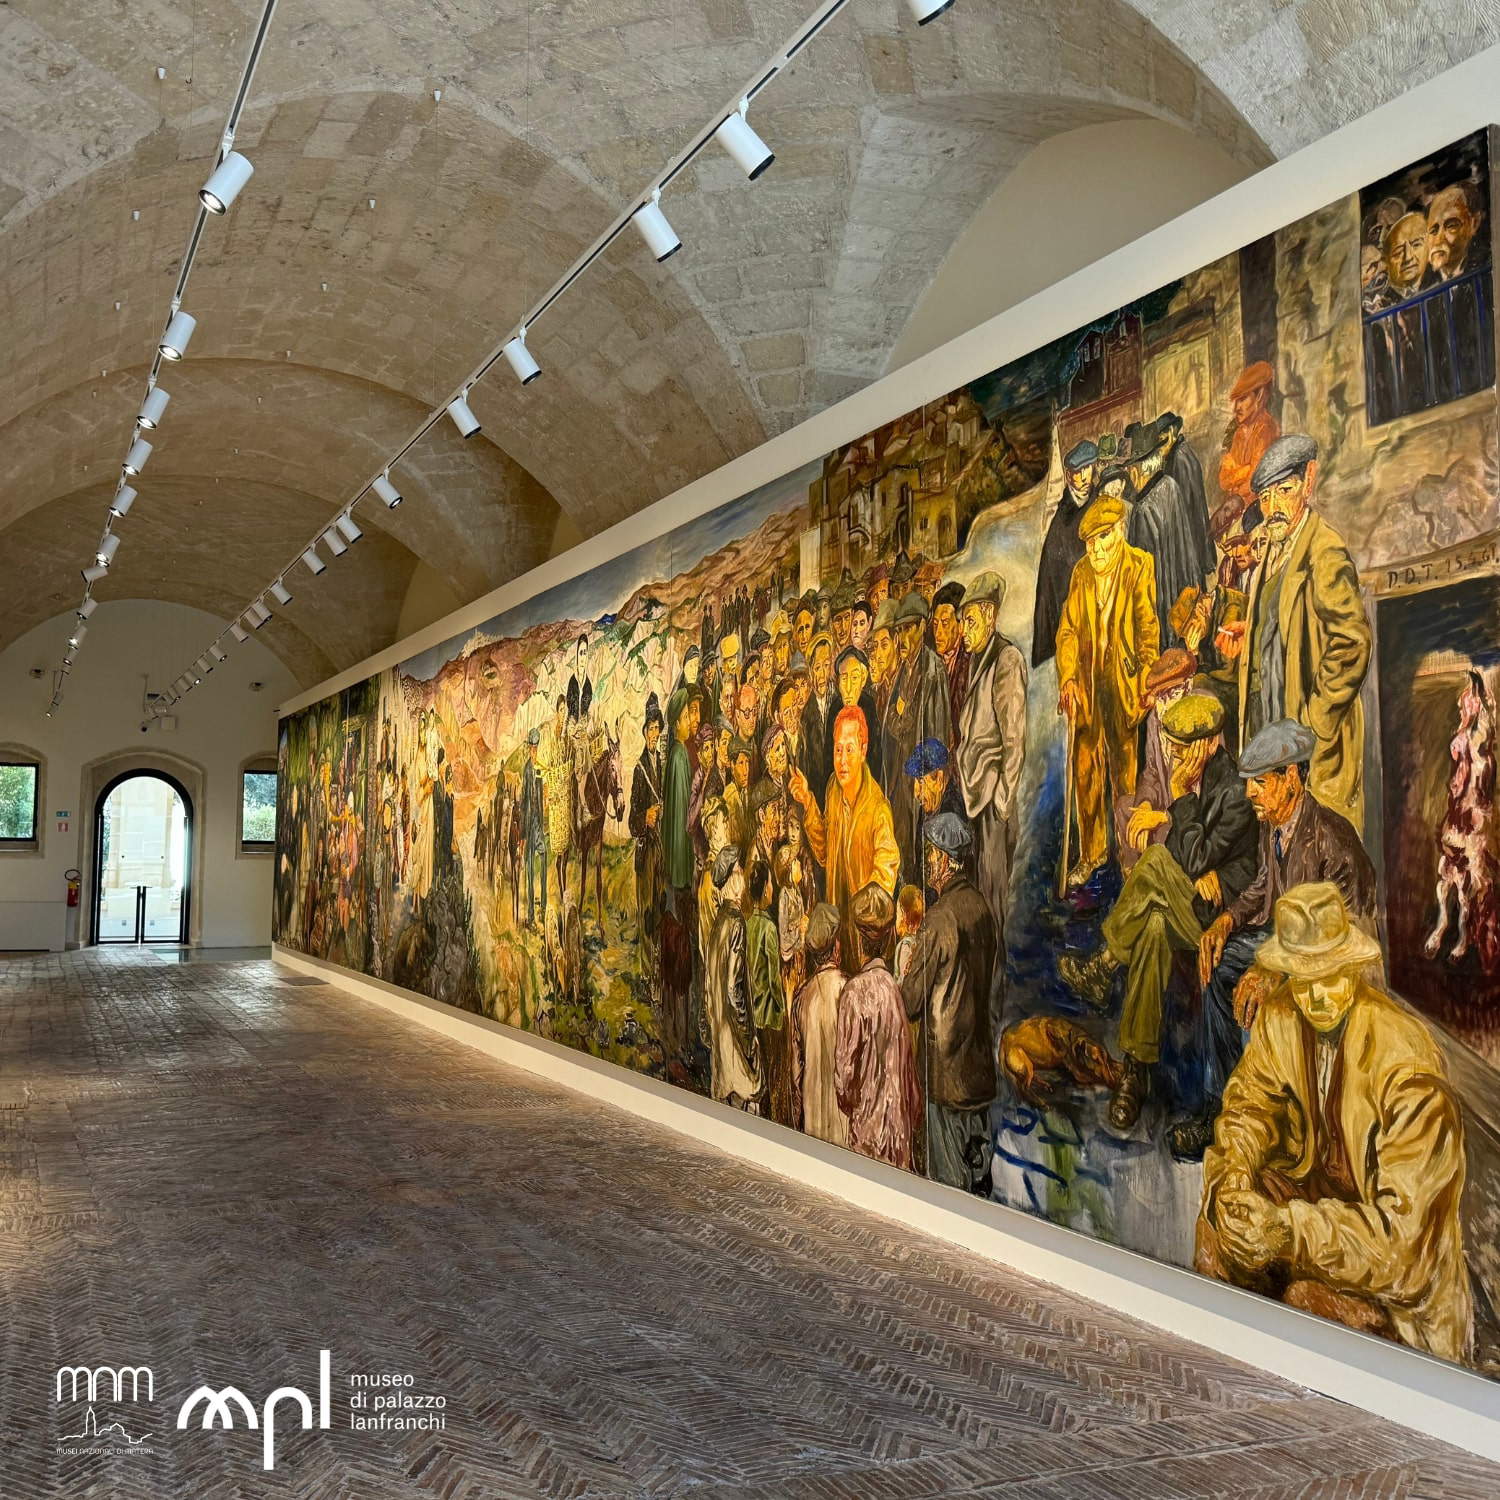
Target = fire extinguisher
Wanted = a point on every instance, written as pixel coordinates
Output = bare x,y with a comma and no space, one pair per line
74,885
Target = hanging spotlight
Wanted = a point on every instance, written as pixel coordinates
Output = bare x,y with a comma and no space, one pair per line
334,542
124,499
258,613
217,653
152,408
661,239
107,549
135,460
87,608
174,341
204,665
738,138
239,632
346,524
94,572
278,593
315,564
225,182
927,10
76,639
518,357
386,491
463,419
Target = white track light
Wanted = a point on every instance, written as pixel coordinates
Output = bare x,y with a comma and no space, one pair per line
315,564
217,653
738,138
124,499
661,239
239,632
174,341
108,546
463,419
94,572
223,187
927,10
386,491
135,460
518,357
350,529
334,542
153,408
203,667
76,639
87,608
279,593
258,613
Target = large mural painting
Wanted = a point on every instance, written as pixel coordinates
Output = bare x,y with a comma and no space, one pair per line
1079,790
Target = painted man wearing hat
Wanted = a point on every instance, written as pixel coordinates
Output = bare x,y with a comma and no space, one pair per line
1166,519
991,739
817,716
1061,549
1174,891
1337,1169
948,641
916,710
1170,677
946,988
533,815
1252,431
647,794
933,784
1107,639
1300,841
1306,648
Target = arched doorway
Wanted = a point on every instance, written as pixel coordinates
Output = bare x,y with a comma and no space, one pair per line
143,852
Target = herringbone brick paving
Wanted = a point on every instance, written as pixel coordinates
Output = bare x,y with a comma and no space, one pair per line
215,1171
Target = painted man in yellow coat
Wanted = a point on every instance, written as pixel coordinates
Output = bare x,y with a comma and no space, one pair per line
1337,1169
1107,640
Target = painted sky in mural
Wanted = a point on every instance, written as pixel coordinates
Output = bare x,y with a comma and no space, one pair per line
1079,790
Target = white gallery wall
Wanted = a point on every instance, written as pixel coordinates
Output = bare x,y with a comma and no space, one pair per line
98,731
1397,1383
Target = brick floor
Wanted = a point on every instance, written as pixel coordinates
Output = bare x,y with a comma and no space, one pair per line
216,1171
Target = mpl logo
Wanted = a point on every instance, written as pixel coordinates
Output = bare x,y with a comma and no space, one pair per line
217,1404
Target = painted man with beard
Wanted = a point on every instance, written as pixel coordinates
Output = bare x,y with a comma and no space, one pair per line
1306,646
1061,549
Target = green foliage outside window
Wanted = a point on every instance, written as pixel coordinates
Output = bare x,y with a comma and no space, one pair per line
258,825
17,802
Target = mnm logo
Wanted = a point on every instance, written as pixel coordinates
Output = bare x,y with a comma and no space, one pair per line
91,1379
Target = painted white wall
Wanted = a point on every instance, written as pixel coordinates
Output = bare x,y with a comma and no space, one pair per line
219,727
1070,201
1452,1403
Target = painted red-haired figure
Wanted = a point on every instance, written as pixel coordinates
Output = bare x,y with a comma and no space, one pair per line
851,835
1466,868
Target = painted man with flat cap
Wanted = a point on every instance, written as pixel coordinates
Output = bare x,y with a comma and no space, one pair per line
1107,640
916,709
1252,431
1306,646
1337,1170
1175,890
946,989
1061,548
1300,841
992,739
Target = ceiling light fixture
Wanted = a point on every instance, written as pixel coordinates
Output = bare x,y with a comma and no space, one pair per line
179,334
348,526
152,408
518,357
463,418
385,490
661,239
315,564
225,182
280,593
737,136
135,460
334,542
124,499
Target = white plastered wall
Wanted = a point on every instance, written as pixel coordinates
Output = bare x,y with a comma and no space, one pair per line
1406,1387
97,733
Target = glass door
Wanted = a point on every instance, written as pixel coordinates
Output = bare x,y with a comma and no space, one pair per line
142,842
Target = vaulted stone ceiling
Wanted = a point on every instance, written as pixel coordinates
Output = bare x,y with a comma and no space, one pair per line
327,325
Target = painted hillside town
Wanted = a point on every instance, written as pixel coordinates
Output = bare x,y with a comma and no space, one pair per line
1079,791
